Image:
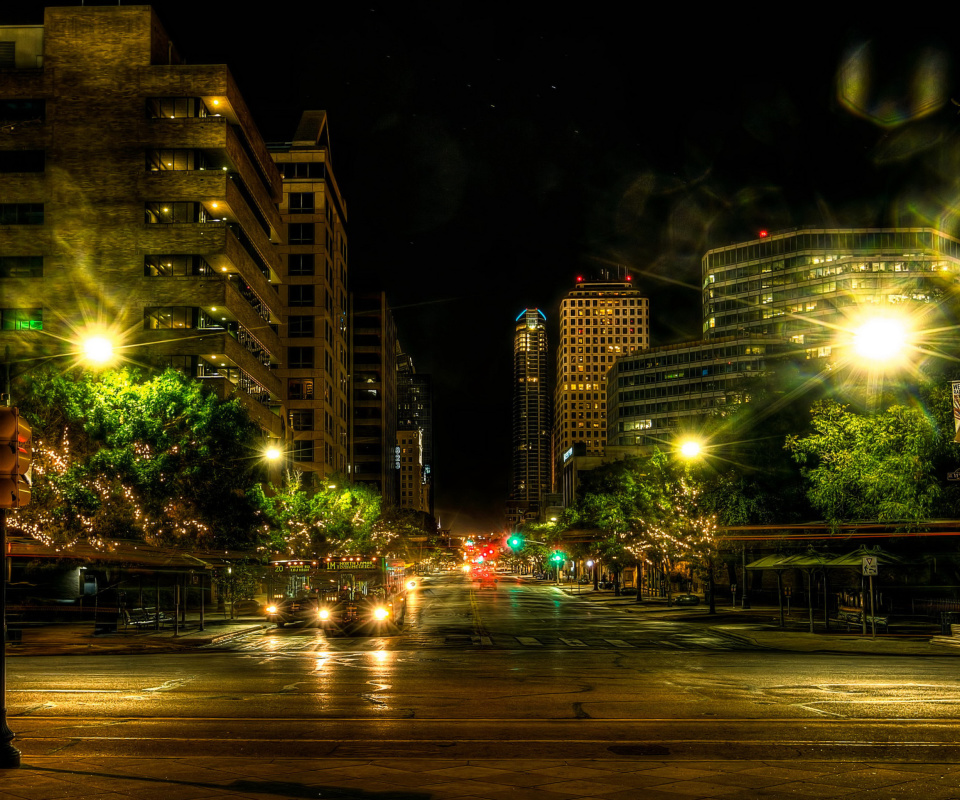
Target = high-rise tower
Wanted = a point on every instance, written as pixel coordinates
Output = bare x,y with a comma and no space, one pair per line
599,322
531,416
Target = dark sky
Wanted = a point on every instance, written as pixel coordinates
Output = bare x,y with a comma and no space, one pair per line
489,153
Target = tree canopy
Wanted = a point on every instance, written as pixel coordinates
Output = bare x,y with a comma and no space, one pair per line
121,455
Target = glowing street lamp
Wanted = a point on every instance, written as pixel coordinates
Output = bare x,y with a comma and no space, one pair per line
690,448
880,339
97,350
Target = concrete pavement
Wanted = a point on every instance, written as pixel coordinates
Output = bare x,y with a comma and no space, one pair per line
61,776
760,626
81,638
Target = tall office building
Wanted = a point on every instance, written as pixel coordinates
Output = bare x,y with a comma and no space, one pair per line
373,374
136,194
809,286
415,413
532,415
412,487
314,272
599,322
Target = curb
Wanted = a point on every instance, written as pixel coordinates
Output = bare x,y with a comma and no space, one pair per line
225,637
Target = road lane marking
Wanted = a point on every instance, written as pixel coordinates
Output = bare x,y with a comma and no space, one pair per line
573,642
618,642
529,641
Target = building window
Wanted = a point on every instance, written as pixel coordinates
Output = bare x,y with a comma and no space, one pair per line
181,159
300,264
300,357
300,389
301,203
301,169
21,266
301,419
21,319
300,233
173,107
164,317
300,328
300,296
21,213
303,450
168,213
166,266
23,110
22,160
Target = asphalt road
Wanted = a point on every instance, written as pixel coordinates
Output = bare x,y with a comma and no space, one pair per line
523,670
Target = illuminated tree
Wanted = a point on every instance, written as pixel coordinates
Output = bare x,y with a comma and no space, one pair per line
119,455
337,519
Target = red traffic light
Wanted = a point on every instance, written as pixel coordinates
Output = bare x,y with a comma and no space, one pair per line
16,456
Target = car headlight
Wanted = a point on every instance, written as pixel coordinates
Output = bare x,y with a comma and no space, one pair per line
324,613
412,585
381,613
271,609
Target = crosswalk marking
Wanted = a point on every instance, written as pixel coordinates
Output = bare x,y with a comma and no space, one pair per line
618,642
529,641
573,642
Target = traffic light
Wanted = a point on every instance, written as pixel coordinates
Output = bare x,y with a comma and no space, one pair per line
558,557
16,454
515,541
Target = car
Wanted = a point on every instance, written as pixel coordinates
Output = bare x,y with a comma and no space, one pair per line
302,607
686,600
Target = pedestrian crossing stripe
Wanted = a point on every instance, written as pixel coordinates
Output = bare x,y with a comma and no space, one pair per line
573,642
529,641
618,642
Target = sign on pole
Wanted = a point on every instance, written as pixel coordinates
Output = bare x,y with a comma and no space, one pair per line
956,410
869,565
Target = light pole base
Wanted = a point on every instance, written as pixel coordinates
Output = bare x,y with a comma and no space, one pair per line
9,755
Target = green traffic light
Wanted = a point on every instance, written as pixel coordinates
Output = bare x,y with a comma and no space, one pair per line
514,542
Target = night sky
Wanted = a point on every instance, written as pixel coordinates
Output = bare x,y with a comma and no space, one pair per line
489,153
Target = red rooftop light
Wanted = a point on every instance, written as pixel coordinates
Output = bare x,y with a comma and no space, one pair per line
629,277
579,278
763,234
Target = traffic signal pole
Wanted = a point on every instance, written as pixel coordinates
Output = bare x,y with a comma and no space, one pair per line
9,755
16,455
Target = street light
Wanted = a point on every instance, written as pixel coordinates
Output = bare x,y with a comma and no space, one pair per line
690,448
98,350
882,342
880,339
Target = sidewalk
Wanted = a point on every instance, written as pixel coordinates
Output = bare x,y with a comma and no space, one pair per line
80,638
760,626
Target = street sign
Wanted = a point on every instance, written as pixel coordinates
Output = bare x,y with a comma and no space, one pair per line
869,565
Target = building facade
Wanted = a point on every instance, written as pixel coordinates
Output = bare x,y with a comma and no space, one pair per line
137,198
373,375
532,472
600,321
811,286
313,263
413,491
415,413
655,396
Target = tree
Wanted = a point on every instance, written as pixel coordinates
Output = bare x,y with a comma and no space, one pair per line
649,510
869,467
120,455
337,519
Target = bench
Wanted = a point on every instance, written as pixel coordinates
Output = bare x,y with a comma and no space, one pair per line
854,616
144,617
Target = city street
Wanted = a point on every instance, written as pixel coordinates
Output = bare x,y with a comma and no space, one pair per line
517,673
